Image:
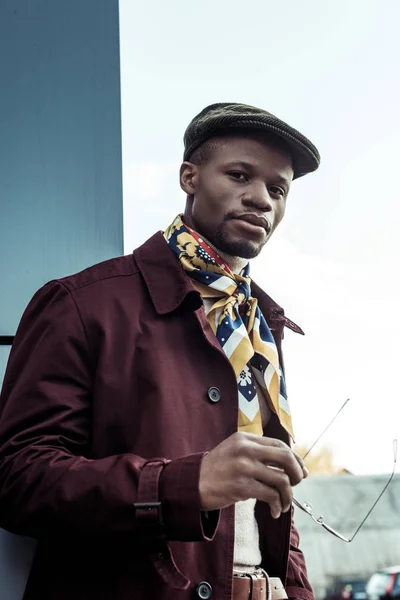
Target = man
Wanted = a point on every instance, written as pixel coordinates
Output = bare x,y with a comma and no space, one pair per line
144,435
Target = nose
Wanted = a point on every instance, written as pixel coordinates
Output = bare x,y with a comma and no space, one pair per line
257,196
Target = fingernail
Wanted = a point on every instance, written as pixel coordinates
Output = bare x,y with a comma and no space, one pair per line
306,471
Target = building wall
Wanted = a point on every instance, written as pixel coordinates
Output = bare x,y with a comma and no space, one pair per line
60,143
60,165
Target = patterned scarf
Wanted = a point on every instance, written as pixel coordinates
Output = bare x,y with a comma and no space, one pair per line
238,324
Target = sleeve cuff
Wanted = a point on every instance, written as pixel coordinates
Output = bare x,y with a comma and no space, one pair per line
179,493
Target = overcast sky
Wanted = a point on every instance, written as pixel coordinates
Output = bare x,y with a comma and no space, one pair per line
330,69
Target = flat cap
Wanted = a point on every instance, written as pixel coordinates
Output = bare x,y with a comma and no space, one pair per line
225,117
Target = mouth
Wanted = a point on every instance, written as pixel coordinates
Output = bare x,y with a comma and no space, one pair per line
255,222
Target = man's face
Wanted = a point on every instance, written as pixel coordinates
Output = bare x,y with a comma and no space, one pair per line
237,198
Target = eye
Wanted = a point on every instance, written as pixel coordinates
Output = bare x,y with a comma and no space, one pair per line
239,175
277,191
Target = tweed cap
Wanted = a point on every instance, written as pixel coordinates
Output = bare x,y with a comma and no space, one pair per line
225,117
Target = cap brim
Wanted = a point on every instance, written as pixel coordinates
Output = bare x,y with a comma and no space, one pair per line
305,155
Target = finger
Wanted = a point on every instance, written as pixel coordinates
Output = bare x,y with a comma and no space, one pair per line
280,457
302,465
267,494
265,441
280,444
270,451
277,479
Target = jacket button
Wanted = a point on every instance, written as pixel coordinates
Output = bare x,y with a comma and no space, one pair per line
204,590
214,395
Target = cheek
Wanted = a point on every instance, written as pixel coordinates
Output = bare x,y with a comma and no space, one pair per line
281,208
215,190
211,200
279,213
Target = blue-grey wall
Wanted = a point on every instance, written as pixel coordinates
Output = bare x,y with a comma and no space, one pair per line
60,143
60,166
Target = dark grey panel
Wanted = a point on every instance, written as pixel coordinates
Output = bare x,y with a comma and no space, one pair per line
16,554
4,352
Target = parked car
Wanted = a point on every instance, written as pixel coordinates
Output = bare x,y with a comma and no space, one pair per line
354,590
384,584
347,589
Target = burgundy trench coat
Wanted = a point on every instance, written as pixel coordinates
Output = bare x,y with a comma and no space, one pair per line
115,388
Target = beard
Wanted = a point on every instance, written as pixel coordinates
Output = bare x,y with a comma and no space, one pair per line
238,248
219,239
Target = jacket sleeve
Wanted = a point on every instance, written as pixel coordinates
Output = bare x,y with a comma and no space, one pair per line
48,480
297,585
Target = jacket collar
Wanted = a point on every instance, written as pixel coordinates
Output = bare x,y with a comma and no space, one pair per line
168,284
170,287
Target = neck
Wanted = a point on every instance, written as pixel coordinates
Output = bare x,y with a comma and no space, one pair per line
235,263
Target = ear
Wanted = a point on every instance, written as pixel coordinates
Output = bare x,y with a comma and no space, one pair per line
188,175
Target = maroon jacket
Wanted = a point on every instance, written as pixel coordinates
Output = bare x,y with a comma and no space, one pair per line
107,404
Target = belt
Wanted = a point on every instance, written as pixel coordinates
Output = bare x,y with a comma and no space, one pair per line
257,586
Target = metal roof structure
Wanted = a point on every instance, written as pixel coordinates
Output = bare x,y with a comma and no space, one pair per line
343,501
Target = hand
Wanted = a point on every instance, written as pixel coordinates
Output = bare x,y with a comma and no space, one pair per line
245,466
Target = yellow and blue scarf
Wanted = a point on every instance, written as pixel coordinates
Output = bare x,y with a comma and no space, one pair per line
238,324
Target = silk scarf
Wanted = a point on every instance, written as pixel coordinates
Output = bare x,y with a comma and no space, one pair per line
238,324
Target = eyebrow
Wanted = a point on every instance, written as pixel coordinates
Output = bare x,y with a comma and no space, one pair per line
249,166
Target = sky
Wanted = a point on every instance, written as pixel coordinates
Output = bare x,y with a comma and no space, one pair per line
330,69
